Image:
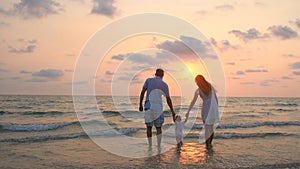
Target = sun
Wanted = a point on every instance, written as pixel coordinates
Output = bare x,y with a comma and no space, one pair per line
190,68
195,69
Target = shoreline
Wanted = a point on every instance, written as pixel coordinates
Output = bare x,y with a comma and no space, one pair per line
84,153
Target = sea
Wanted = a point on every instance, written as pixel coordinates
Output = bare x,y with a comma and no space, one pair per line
41,131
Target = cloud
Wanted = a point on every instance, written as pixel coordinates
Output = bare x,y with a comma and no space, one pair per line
69,70
225,7
49,73
251,34
176,47
29,47
142,59
231,63
235,78
129,77
109,73
295,65
184,46
105,81
259,4
268,82
202,12
296,22
137,79
290,56
28,9
138,67
37,80
296,73
118,57
240,72
286,78
4,24
3,70
104,7
5,12
167,52
16,78
255,70
77,83
25,72
222,45
247,83
283,32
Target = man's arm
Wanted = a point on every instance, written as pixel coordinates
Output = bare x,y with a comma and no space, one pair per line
142,98
169,101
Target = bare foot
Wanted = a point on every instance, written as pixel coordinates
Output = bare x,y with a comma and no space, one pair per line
208,146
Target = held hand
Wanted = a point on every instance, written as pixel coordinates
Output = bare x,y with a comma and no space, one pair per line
173,115
141,108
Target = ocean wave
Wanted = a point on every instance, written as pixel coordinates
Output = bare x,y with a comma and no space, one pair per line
167,113
251,125
106,133
129,131
45,138
280,165
270,104
46,113
48,126
286,104
115,132
283,110
243,135
34,127
110,113
252,135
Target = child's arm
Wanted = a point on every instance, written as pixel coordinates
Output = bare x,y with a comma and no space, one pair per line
186,119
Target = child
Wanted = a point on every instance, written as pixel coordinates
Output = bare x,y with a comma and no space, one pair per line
178,129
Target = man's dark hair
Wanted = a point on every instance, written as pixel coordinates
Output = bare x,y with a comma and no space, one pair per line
159,72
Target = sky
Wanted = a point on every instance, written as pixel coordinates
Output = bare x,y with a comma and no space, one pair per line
256,43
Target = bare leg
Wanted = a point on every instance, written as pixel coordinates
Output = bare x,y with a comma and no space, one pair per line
149,136
208,135
211,138
177,139
158,135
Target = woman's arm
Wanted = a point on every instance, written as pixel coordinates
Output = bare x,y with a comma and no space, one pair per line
192,102
216,98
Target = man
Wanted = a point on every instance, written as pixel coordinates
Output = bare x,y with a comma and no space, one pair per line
155,88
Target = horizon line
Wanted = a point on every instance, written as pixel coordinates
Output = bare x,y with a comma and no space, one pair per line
138,95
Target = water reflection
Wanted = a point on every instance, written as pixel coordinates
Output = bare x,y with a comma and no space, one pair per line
193,154
188,155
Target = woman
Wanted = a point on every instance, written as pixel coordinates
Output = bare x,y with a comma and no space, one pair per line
209,113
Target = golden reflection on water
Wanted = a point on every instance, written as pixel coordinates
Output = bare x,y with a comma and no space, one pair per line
190,154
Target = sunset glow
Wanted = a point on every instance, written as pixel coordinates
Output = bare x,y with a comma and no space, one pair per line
256,42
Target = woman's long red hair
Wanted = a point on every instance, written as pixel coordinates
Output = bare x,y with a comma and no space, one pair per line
203,84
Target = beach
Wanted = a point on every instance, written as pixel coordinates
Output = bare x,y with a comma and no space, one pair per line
83,153
44,132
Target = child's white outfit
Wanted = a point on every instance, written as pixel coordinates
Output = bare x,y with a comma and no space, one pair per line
178,130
